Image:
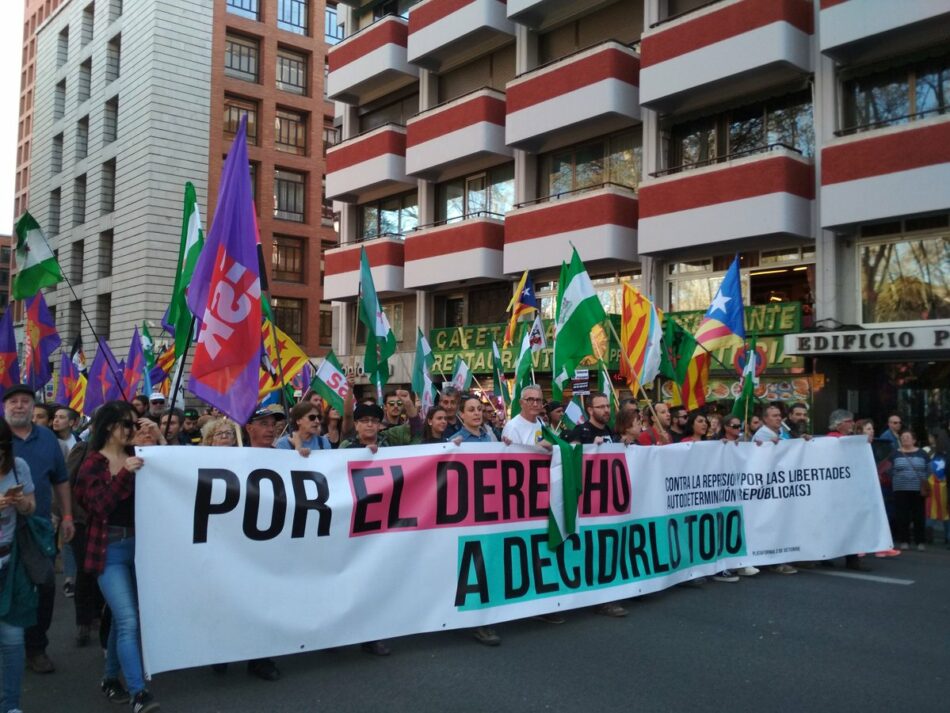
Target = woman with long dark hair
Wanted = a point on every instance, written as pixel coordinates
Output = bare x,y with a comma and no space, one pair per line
437,420
106,489
17,497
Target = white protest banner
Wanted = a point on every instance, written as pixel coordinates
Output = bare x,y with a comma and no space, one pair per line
245,553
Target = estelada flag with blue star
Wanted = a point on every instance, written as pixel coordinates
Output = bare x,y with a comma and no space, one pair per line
9,366
40,341
523,302
724,322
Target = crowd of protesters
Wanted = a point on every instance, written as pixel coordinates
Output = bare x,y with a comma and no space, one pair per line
81,479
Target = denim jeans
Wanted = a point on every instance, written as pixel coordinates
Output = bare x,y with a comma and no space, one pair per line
11,651
117,583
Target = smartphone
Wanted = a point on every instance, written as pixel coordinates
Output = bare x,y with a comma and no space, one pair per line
14,490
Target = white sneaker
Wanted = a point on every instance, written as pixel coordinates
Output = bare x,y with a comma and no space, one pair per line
903,546
784,569
747,571
725,576
921,547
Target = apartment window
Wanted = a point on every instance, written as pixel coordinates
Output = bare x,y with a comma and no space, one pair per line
289,195
59,100
110,123
105,254
77,260
234,109
332,32
293,16
397,112
88,23
241,56
488,193
62,47
289,316
82,138
56,158
79,200
616,159
245,8
326,326
785,121
115,10
113,58
107,193
290,131
252,170
392,7
895,95
291,71
84,86
390,217
104,316
287,259
331,137
394,313
905,278
326,211
73,321
55,206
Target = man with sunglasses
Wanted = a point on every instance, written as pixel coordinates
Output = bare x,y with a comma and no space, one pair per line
678,424
393,411
732,429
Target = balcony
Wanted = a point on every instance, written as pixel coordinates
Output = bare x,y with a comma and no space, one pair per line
849,32
373,163
445,34
724,50
542,14
886,172
470,250
589,93
370,63
600,221
341,279
466,129
744,196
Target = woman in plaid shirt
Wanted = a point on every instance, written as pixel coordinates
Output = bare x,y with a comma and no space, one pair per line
106,489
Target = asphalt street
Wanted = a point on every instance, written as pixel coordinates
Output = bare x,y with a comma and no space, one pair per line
822,640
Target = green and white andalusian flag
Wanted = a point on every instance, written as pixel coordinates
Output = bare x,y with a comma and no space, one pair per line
565,487
330,382
462,375
498,373
578,311
522,372
422,383
36,264
573,414
179,317
380,340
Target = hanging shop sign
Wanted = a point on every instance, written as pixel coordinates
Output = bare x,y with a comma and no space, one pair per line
934,337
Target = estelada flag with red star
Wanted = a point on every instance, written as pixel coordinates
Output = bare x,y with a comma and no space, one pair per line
9,366
40,341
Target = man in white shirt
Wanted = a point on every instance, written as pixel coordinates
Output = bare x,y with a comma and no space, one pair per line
525,428
64,423
771,427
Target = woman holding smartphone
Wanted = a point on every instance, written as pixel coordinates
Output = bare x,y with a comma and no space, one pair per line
19,609
106,489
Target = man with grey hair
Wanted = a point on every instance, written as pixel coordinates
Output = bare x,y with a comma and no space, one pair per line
525,428
449,400
40,448
840,423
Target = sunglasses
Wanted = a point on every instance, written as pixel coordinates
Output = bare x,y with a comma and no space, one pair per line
733,425
394,403
313,416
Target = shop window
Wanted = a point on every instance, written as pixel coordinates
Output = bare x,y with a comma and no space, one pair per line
904,280
489,193
287,259
390,217
896,95
234,109
611,160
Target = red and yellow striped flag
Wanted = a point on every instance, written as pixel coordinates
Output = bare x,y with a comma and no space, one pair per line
292,360
641,335
692,394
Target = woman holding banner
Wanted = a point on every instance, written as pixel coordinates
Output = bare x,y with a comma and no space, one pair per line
470,414
305,436
106,489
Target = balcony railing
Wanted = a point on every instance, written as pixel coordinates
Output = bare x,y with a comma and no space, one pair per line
550,198
461,219
895,121
724,159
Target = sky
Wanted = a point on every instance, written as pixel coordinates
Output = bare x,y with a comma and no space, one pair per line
11,44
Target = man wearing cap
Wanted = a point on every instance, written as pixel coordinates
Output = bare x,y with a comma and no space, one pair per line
368,421
156,405
190,433
40,448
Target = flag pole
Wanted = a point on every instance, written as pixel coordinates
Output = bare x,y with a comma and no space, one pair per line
180,368
640,389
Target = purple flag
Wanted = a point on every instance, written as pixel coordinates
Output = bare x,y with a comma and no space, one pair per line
40,341
9,366
133,370
225,296
103,385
